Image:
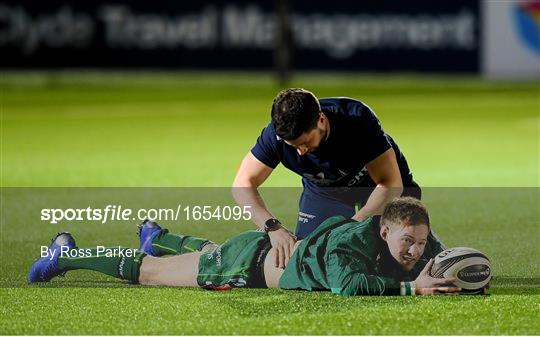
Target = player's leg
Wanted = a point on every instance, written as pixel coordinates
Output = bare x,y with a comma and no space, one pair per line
157,241
119,262
123,263
62,256
175,271
236,263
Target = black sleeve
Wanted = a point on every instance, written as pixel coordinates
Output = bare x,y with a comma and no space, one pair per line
265,149
374,140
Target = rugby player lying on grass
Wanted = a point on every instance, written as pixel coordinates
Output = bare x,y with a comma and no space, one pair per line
342,255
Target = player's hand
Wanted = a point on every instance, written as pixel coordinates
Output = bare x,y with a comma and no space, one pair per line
283,241
427,285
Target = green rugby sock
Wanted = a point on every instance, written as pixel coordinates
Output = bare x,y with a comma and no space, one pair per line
166,243
110,261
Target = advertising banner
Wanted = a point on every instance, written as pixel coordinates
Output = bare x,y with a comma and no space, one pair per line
373,36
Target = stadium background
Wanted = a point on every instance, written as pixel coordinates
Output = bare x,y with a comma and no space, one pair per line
132,94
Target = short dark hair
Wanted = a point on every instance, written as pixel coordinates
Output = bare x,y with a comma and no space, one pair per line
294,112
406,211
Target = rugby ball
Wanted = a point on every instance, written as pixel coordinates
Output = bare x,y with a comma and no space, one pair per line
470,267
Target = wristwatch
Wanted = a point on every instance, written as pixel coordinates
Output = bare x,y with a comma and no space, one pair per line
271,225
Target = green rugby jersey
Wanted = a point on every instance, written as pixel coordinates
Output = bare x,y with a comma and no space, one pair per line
350,258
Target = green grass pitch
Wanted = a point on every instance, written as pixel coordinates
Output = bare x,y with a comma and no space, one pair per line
189,129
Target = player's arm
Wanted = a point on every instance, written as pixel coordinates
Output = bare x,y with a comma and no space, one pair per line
384,171
349,275
251,174
374,285
354,279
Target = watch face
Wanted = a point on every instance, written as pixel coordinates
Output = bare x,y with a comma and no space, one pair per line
271,224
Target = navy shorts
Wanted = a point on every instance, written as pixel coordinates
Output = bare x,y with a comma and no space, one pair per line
315,206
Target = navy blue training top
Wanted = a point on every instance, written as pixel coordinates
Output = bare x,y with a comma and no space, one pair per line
356,138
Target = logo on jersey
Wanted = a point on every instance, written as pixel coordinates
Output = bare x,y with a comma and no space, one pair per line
304,217
322,180
358,177
318,179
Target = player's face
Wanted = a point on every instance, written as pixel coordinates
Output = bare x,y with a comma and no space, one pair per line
406,243
311,140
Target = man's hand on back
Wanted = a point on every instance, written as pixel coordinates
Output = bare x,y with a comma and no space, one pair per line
283,241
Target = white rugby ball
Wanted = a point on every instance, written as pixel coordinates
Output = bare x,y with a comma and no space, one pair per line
470,267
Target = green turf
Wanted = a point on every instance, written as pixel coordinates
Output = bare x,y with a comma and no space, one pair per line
194,129
185,311
138,129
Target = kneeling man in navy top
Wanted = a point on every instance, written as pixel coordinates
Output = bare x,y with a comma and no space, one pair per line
348,164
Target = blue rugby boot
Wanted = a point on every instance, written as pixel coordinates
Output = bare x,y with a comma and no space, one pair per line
43,269
148,230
